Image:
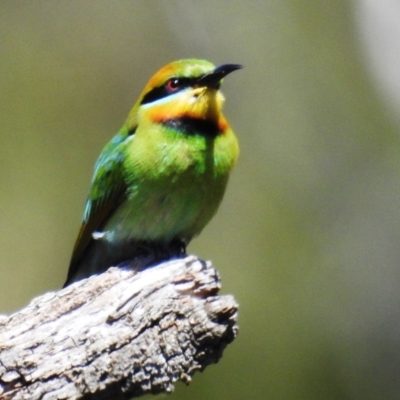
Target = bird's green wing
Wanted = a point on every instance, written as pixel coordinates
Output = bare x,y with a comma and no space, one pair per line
107,191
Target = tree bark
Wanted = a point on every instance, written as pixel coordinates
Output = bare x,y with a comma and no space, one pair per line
117,335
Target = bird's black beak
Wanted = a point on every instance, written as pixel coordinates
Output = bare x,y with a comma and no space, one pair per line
213,78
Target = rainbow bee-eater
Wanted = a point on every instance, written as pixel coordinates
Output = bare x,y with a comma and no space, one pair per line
160,180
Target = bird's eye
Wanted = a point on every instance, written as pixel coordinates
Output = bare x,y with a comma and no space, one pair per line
173,85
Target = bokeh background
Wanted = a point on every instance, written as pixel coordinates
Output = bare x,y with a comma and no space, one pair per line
307,238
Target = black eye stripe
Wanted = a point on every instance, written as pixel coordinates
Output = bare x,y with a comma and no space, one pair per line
162,91
155,94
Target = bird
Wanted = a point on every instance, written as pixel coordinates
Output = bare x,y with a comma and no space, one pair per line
162,177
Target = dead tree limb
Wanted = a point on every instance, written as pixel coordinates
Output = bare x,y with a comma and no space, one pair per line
117,335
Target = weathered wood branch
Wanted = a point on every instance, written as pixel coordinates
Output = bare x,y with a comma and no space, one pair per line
118,335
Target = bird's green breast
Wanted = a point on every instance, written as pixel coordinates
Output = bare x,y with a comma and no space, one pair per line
175,184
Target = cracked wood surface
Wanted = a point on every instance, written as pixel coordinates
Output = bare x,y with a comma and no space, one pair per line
117,335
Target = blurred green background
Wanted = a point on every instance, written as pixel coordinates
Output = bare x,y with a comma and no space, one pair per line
307,238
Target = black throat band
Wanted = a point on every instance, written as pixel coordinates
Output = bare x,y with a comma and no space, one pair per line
193,126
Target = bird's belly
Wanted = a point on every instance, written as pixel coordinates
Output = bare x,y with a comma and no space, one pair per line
162,212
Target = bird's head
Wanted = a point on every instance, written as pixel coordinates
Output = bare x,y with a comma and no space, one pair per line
183,89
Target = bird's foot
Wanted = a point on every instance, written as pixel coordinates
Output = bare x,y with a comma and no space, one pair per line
146,254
